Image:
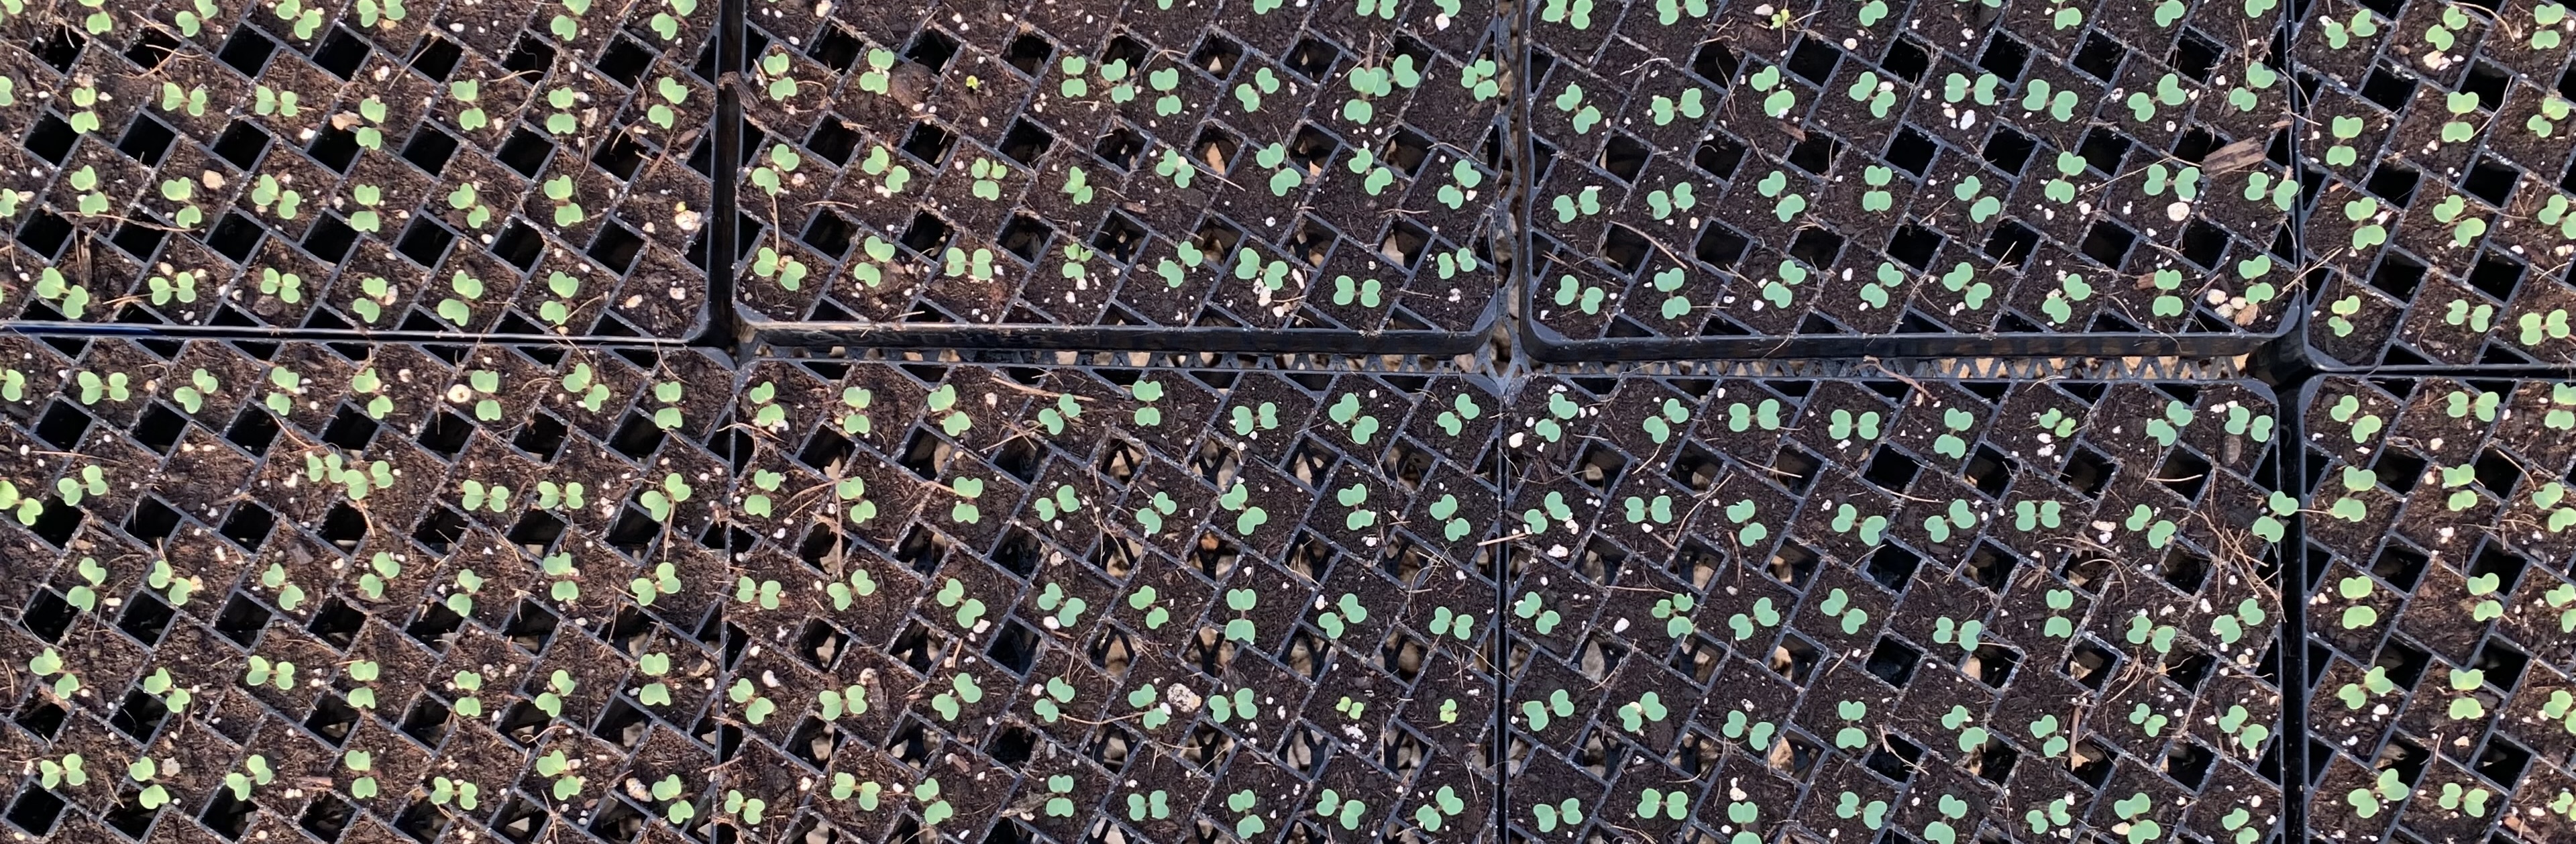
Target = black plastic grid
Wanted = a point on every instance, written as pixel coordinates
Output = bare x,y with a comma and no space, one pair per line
818,482
1145,551
1841,179
2436,192
1041,581
1260,176
494,169
2437,606
62,429
1749,601
195,518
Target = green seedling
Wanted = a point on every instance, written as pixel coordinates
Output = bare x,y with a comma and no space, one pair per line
656,693
280,674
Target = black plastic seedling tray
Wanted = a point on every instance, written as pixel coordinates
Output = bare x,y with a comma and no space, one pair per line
368,591
2435,604
1255,178
1849,179
696,422
2437,186
420,592
508,168
1887,606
